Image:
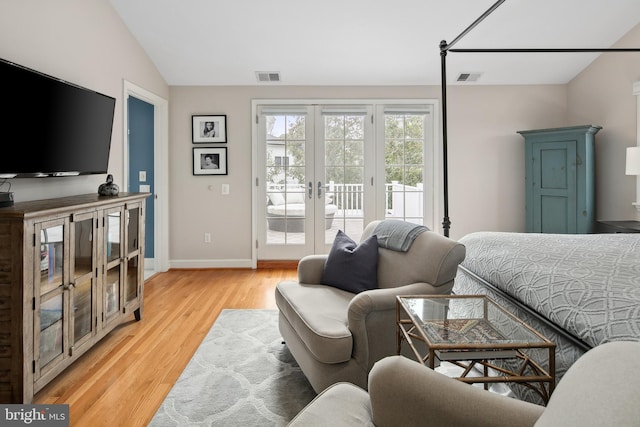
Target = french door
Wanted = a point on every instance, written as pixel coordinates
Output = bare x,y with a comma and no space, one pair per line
314,163
321,168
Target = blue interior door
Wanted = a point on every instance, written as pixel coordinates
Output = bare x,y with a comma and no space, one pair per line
141,161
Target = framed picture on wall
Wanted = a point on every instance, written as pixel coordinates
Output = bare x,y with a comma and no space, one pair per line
208,129
210,161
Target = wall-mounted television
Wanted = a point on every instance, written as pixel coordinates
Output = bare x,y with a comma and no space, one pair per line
50,127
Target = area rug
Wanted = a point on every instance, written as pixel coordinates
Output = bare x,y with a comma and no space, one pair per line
241,375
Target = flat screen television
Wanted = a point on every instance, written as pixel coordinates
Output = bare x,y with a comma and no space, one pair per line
50,127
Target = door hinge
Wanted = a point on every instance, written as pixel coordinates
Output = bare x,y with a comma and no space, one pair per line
257,182
372,119
33,366
256,119
256,244
34,303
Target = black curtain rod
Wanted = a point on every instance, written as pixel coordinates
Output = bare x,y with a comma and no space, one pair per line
559,50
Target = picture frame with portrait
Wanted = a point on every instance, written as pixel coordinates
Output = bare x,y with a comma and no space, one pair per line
210,161
207,129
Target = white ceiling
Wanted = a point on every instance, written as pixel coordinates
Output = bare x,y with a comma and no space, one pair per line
370,42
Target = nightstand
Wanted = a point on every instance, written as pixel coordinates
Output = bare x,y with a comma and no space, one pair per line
618,226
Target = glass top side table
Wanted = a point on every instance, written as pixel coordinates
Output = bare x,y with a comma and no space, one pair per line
471,330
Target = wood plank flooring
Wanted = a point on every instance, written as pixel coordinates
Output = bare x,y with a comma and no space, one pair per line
122,381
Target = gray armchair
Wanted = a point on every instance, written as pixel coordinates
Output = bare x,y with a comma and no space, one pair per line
601,389
336,335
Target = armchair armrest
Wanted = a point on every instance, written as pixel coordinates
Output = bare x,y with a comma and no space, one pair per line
406,393
371,318
367,302
310,269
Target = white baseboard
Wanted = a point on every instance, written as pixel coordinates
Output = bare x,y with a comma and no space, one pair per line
211,263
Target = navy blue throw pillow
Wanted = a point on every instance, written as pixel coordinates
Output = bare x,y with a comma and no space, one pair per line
352,267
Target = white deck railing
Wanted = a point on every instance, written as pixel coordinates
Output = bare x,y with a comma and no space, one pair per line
400,200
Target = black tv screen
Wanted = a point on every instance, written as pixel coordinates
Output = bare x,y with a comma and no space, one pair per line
51,127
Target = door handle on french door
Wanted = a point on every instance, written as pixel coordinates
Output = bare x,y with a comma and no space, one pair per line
310,190
319,190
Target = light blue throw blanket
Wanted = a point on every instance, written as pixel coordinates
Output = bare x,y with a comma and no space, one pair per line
397,235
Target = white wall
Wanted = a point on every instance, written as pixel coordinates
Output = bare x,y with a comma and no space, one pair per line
602,95
486,159
86,43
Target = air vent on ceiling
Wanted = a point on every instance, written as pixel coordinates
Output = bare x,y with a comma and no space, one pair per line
268,76
469,77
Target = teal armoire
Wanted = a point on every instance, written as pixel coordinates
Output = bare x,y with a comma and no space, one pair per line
560,179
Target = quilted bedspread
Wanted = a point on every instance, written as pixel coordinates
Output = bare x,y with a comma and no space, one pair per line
587,284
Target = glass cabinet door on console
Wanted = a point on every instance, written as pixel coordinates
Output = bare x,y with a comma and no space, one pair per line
83,283
134,256
50,290
113,253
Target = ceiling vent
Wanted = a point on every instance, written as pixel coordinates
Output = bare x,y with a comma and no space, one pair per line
469,77
268,76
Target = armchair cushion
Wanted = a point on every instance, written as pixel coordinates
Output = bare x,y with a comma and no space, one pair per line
352,267
316,312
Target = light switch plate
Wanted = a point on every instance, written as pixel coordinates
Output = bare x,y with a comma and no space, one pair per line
225,189
142,176
145,188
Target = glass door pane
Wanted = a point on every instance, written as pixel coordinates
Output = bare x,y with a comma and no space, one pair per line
112,236
51,327
133,230
83,278
82,248
286,178
404,150
131,284
82,309
51,257
344,170
133,254
112,291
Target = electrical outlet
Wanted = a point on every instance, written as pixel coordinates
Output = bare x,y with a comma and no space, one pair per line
207,237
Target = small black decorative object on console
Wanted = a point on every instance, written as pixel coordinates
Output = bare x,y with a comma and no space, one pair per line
6,197
108,188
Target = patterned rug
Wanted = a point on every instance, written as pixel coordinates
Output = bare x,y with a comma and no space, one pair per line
241,375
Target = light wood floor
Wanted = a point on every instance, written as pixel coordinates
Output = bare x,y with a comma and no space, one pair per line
123,380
